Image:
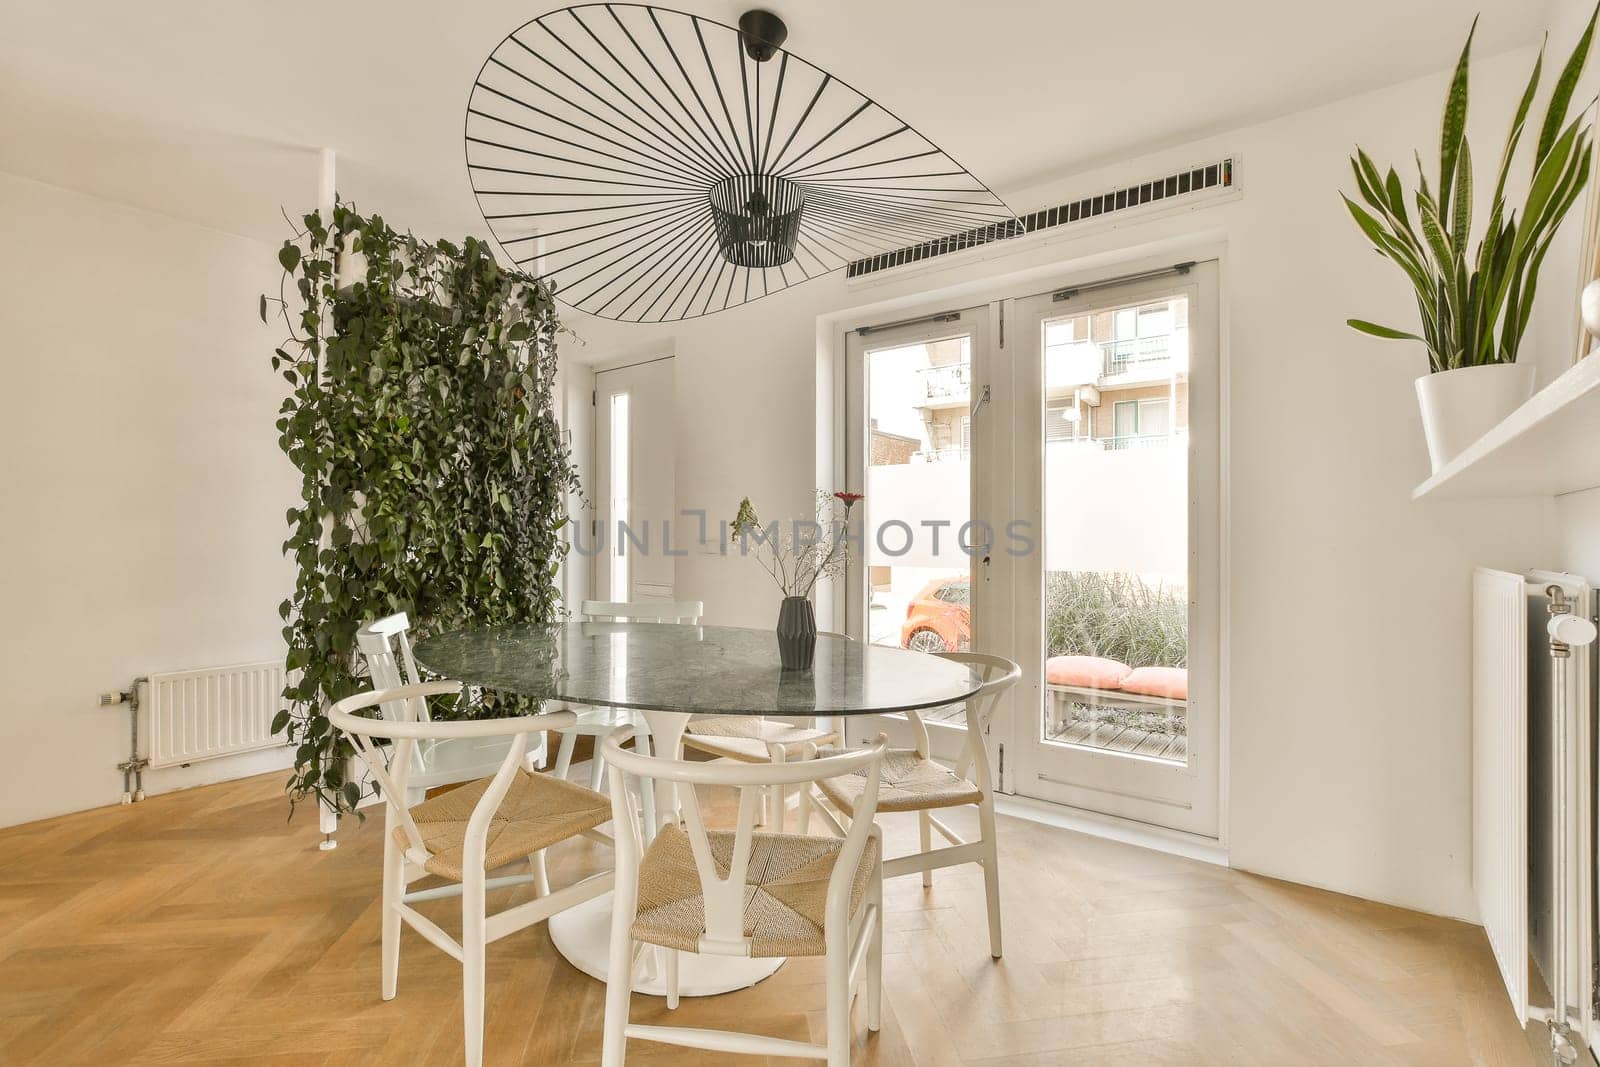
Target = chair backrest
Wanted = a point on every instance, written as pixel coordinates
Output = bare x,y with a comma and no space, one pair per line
412,726
725,896
386,646
688,611
996,674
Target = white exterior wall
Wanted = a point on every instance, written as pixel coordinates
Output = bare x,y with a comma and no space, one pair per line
1119,511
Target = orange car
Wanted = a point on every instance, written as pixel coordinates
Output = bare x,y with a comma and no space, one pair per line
939,617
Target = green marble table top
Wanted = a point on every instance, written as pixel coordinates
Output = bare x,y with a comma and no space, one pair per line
701,670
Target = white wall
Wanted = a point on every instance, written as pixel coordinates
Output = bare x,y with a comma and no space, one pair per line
1552,334
1148,536
142,486
1577,515
1349,743
1350,747
1577,534
1082,529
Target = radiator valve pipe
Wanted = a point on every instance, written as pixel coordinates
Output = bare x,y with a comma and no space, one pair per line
133,767
1565,631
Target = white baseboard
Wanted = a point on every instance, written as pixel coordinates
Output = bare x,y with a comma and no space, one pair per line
1142,835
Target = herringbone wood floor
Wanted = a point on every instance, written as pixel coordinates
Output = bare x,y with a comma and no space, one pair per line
201,927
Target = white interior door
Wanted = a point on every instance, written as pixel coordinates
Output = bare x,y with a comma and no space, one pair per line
1114,408
635,486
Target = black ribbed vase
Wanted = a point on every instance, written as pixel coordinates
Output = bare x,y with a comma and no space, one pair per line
797,633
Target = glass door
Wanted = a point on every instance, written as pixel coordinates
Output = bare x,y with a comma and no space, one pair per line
1114,410
914,437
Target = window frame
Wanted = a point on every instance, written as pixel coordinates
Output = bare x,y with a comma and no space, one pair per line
1162,401
1118,405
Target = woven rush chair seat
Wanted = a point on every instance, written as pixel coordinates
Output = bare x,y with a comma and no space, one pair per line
785,895
909,783
746,739
505,819
539,810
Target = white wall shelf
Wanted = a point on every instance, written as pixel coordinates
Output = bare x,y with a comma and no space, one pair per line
1547,447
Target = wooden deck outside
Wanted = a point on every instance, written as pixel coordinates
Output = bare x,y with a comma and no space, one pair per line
1116,738
1172,744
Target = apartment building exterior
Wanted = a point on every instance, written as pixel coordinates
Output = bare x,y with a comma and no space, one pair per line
1114,379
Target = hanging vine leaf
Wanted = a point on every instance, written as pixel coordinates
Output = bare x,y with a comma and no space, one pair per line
430,485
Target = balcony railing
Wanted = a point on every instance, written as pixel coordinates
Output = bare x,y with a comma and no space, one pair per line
948,381
948,454
1121,443
1071,363
1122,356
1124,442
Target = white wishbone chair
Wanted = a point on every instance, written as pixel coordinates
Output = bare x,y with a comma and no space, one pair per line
463,835
913,782
386,646
740,893
598,722
754,739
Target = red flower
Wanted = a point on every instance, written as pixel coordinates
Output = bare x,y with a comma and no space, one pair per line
848,498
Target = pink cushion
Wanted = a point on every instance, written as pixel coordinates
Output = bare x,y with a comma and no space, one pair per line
1091,672
1169,682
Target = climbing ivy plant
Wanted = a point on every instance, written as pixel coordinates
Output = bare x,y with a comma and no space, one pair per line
434,478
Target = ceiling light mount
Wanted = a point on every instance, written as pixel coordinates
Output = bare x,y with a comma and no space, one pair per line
763,34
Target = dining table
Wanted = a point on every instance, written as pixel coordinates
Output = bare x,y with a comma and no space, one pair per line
671,673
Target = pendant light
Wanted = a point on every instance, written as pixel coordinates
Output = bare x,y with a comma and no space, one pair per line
657,166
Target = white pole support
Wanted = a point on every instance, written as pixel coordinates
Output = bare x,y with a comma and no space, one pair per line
327,817
325,186
328,823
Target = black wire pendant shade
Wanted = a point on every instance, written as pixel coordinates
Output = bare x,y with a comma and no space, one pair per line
757,218
659,166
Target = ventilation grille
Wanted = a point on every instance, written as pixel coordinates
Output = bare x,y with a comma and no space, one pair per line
1218,175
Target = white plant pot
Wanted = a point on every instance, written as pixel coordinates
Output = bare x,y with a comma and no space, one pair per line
1459,406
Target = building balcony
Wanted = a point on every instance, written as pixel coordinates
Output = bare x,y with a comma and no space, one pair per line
1122,443
1131,354
1072,365
1068,366
949,454
946,384
1124,362
1126,442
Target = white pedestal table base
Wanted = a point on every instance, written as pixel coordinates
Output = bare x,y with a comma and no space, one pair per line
582,934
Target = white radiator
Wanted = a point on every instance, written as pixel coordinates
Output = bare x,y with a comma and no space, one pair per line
1519,706
217,711
1500,772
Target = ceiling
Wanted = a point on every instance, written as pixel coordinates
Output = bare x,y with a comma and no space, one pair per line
214,111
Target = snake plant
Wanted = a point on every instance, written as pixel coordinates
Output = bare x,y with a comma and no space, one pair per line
1475,303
